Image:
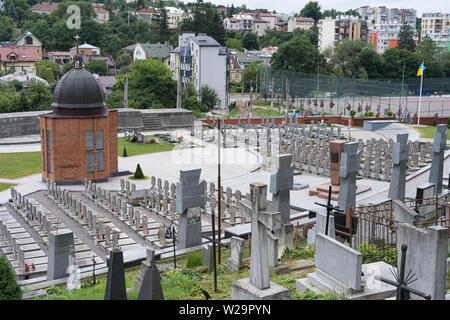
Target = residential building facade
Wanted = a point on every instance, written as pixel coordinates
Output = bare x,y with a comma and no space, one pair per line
332,31
101,15
44,8
299,23
159,51
437,27
174,17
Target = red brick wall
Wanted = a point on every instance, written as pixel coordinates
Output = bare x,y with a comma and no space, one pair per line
69,147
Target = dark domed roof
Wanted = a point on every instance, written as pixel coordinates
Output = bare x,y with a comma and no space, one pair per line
78,93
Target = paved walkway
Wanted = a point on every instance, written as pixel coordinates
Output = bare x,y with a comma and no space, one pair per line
391,130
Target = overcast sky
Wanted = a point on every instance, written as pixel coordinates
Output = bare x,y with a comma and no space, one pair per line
289,6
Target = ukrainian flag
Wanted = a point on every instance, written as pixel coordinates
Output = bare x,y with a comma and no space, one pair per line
421,69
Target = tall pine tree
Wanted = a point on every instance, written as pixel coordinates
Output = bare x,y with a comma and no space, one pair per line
406,38
163,26
12,13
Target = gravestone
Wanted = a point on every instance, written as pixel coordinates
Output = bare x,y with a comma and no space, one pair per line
208,257
437,164
115,283
237,246
258,285
427,257
189,199
399,160
58,254
349,168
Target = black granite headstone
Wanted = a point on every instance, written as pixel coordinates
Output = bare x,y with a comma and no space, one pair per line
115,284
151,285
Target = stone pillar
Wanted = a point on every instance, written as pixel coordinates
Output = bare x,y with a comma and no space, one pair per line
58,254
115,284
437,164
398,175
349,168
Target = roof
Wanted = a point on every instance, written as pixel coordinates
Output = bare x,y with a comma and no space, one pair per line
106,81
173,10
234,63
130,47
205,41
304,19
23,54
99,9
156,51
86,46
59,53
147,10
45,6
23,77
108,59
25,33
247,58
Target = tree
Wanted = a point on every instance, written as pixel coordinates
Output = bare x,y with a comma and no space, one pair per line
150,86
311,10
39,96
163,27
124,153
250,73
205,19
189,98
393,63
250,41
9,288
66,67
234,44
48,70
99,67
12,12
138,174
6,28
123,60
208,98
356,59
432,56
406,38
297,55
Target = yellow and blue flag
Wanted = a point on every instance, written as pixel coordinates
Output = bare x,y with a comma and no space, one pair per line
421,69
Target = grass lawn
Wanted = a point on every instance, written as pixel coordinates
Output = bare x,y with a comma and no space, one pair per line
21,164
184,283
235,112
429,132
134,148
4,186
259,112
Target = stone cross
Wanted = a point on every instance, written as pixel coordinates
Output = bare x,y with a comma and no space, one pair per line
348,170
281,183
398,175
261,221
437,164
190,198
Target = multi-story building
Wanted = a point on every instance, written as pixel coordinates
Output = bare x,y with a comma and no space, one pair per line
101,15
245,22
260,27
385,36
85,50
437,27
384,15
145,14
174,17
231,24
332,31
192,62
282,22
299,23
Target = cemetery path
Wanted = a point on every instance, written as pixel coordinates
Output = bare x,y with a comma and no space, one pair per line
156,217
76,228
28,228
115,220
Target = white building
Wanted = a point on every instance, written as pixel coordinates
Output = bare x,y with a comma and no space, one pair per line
437,27
203,61
332,31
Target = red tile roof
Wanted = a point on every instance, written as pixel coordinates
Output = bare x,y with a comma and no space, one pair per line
23,54
304,19
150,10
98,8
45,6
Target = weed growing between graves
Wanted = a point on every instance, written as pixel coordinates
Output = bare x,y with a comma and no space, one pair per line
372,253
193,259
309,295
303,251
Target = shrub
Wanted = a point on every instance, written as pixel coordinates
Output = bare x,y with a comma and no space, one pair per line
372,253
193,260
9,288
124,154
434,123
180,284
448,123
301,252
138,174
352,112
389,113
370,113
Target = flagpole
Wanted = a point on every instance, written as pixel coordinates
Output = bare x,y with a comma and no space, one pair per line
420,99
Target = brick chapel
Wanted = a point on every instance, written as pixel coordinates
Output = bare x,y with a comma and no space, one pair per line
79,138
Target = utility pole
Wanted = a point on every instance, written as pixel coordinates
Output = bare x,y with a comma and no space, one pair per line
179,89
219,191
271,101
251,105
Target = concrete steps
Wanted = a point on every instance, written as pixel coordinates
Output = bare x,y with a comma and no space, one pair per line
151,121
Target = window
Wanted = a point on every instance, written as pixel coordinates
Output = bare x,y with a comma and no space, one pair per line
99,139
90,162
49,140
29,40
49,161
89,140
99,161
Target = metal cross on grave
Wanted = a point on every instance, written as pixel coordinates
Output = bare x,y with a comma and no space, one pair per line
330,209
403,290
261,222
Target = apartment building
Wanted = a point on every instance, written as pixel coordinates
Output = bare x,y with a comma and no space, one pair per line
332,31
437,27
299,23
